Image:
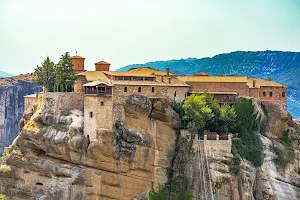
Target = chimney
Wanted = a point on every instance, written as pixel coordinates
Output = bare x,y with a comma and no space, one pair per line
168,71
169,79
269,78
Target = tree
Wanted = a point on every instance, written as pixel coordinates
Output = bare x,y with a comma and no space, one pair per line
249,145
44,75
227,118
197,112
65,74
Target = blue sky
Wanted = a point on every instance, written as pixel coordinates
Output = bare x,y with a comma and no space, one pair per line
138,31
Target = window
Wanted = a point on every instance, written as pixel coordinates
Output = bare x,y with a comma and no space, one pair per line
149,78
175,94
271,94
125,89
140,89
102,103
138,78
118,78
91,114
101,90
153,89
264,94
127,78
283,94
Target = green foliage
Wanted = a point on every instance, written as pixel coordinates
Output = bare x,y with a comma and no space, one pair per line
183,194
250,145
234,166
177,107
288,144
227,118
2,197
65,74
287,155
197,112
204,111
44,75
160,194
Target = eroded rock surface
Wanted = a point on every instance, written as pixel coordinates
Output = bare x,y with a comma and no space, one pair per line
52,158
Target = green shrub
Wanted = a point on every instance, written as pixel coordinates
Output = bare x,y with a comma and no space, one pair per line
2,197
287,155
183,194
160,194
249,145
234,166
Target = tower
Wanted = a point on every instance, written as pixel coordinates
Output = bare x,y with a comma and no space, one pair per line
78,63
102,66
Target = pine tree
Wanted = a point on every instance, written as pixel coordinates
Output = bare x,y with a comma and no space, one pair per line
65,74
44,75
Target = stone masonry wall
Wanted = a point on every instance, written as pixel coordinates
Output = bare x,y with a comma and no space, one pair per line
98,115
60,102
28,103
119,95
241,88
276,94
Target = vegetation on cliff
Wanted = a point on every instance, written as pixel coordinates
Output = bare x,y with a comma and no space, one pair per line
60,77
249,144
162,194
199,112
285,155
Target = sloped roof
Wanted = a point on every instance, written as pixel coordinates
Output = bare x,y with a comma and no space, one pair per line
102,63
147,71
126,74
219,79
96,75
77,57
95,83
263,83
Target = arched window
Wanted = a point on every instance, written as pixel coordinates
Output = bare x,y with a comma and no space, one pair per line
283,94
125,89
140,89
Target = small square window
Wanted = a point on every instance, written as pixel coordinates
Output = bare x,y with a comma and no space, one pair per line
283,94
140,89
271,94
102,103
125,89
264,94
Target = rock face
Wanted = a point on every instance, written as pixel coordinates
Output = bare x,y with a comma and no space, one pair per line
12,106
52,158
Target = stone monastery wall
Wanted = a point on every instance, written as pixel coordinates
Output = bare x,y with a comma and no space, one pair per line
60,102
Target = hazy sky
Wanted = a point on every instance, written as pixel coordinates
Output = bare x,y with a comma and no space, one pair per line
136,31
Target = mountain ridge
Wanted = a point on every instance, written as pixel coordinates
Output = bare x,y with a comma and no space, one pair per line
4,74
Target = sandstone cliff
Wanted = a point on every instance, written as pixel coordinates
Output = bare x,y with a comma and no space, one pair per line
12,91
52,159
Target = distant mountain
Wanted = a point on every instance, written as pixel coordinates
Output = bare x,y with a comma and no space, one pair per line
4,74
283,67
